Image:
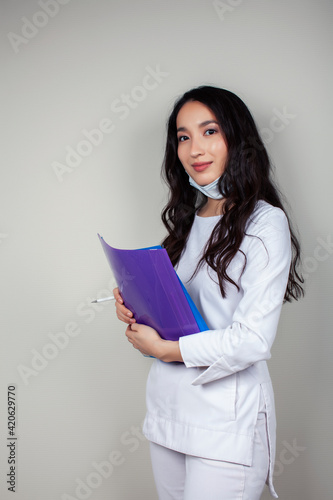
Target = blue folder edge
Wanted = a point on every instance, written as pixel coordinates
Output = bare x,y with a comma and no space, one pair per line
197,316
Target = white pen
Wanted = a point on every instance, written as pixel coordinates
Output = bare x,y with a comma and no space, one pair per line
103,300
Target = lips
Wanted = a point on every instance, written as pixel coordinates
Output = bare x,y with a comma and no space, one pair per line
199,167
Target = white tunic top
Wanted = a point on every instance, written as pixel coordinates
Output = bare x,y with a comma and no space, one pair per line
208,405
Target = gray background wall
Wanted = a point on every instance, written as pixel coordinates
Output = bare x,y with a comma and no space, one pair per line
66,67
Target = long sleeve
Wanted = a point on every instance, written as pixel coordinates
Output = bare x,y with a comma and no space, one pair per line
208,406
252,329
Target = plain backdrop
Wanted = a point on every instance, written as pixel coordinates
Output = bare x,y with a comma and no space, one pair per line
70,67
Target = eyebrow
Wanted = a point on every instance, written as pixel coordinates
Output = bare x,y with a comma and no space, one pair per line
203,124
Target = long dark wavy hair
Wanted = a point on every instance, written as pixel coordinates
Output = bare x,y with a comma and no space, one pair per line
245,180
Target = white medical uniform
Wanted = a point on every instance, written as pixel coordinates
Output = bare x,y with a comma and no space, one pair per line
209,405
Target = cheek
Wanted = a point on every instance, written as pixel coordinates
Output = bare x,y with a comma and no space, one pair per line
220,151
218,147
181,154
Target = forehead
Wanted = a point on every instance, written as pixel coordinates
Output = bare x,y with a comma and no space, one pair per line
194,113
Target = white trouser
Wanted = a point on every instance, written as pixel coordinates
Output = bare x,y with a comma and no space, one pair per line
185,477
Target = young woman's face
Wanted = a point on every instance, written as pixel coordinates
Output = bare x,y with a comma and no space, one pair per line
202,149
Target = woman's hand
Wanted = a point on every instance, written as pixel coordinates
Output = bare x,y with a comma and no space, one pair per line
145,339
148,342
122,312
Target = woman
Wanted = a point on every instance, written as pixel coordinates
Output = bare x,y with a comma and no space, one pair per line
210,403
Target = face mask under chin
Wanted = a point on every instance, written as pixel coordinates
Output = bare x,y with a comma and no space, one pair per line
210,190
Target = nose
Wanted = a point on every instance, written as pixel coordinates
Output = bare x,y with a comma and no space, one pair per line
197,147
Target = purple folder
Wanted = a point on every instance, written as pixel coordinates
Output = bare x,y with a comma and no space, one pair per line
152,290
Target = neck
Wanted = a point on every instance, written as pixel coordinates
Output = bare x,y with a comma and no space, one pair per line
211,208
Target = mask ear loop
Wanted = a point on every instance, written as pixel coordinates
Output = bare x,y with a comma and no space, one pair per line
212,190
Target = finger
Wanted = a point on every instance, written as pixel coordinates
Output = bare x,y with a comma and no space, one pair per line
129,330
125,319
124,314
128,334
123,310
134,328
131,342
117,296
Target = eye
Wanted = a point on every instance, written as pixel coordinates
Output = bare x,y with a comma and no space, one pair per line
182,138
211,131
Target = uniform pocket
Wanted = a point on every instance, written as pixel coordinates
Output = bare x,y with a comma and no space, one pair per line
221,395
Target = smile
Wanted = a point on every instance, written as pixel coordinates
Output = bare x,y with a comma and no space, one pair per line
199,167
